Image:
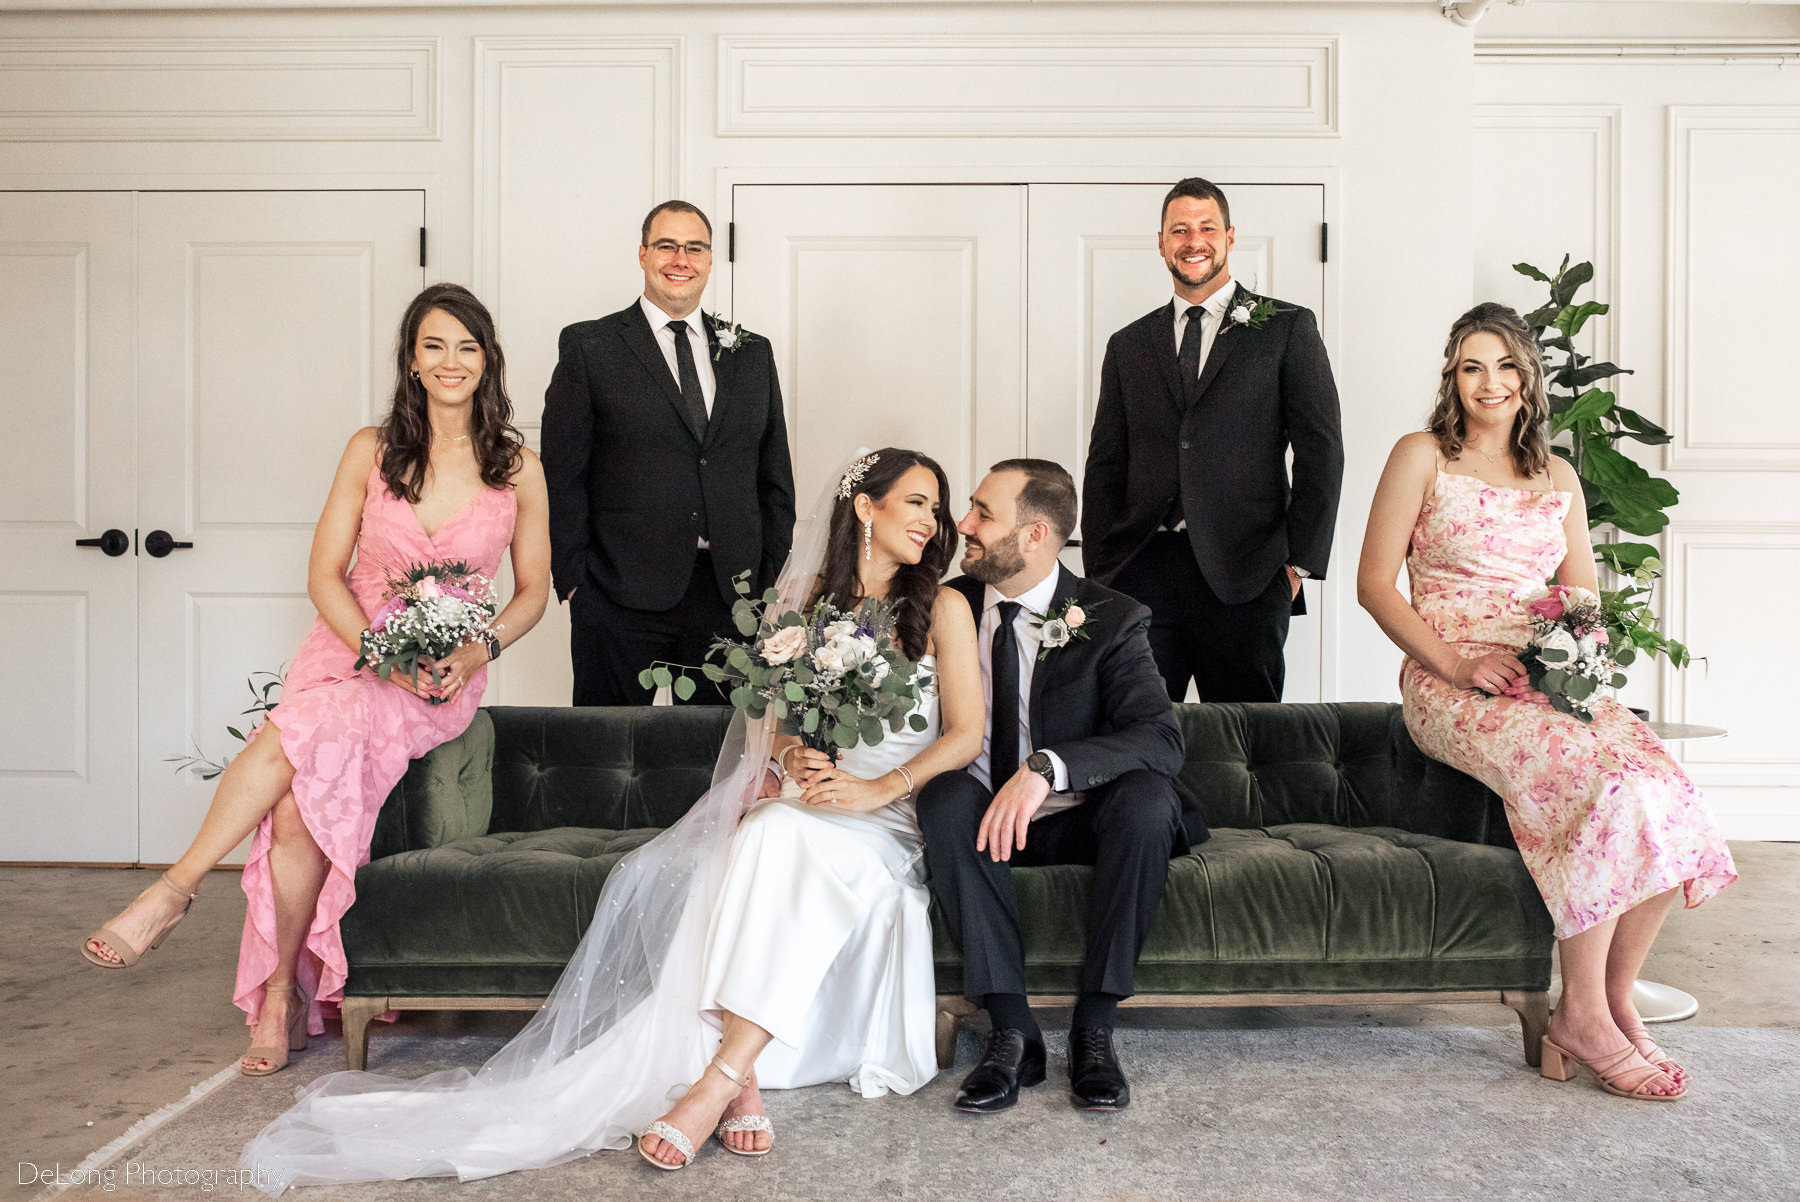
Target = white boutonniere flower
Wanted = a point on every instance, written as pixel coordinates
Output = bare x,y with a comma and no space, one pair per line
1060,627
730,336
1251,312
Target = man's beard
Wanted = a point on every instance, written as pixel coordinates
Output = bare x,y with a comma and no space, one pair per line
1218,266
998,562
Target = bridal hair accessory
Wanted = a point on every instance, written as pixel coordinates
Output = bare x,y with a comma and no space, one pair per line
853,475
868,538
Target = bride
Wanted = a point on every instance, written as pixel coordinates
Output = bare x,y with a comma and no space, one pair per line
789,948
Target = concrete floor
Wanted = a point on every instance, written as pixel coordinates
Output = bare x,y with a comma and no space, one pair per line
88,1052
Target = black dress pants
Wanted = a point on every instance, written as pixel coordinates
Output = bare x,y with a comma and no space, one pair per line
609,644
1230,652
1126,830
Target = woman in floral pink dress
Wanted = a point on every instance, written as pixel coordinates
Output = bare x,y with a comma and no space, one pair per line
446,477
1481,514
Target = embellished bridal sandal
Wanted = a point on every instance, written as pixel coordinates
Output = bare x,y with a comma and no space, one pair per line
670,1134
121,947
276,1059
742,1122
1638,1037
1559,1065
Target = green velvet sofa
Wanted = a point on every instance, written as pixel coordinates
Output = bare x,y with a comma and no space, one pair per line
1343,867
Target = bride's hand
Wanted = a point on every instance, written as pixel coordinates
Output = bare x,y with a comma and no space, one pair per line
836,789
804,764
1521,690
1494,673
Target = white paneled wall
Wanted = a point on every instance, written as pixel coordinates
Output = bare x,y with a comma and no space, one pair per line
1671,164
537,138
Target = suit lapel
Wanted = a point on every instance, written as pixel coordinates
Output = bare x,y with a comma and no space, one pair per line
1224,342
1046,667
1161,334
724,380
636,332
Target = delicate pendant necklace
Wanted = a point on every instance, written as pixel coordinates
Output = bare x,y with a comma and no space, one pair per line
447,438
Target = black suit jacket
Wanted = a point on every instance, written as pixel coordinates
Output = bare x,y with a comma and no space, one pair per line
1221,445
1099,703
633,486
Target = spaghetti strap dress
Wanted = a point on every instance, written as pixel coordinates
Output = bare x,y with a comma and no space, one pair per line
350,735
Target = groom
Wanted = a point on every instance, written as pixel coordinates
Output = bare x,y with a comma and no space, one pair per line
1081,743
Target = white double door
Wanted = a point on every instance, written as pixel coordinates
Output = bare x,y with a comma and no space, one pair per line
177,368
970,321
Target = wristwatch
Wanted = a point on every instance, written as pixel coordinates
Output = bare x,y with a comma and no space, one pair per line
1040,763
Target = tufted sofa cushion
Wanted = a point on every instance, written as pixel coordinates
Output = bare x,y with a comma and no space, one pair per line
1342,860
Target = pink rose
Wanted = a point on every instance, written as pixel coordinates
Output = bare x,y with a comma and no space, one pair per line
386,614
1600,635
1073,617
428,588
784,644
1548,608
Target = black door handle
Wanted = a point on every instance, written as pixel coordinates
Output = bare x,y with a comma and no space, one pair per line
114,542
159,543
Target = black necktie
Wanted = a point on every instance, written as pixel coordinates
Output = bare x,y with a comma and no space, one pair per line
689,376
1189,355
1003,748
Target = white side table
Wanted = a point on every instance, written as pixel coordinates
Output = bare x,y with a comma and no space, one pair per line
1655,1002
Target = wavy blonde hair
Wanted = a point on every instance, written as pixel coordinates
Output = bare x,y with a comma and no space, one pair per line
1530,441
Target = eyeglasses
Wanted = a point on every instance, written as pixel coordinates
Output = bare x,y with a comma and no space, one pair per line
695,250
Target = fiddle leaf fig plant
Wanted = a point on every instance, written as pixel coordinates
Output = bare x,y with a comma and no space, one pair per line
1587,424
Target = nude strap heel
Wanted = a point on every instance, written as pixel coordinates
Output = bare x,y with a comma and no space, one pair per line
1558,1064
121,947
297,1039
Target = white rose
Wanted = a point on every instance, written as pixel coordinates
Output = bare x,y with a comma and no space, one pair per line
1241,315
1074,616
784,644
1560,640
828,660
842,628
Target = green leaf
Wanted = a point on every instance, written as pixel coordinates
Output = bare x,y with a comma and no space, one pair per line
1579,688
662,676
1573,317
745,623
1618,680
235,733
917,721
742,697
713,672
1624,655
771,597
803,675
1634,499
794,692
739,659
843,735
684,687
1627,558
1527,269
1569,281
1583,376
1554,679
1638,427
1551,655
779,709
872,733
1589,406
810,724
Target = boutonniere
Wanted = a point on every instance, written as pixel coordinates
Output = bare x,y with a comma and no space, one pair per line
1060,627
730,336
1251,312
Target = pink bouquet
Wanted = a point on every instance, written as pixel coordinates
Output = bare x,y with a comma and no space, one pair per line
1570,656
431,609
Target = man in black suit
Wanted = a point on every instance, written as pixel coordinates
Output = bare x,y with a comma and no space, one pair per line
666,456
1188,505
1081,745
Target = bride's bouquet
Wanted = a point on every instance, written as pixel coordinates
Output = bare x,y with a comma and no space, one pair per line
835,677
431,609
1570,656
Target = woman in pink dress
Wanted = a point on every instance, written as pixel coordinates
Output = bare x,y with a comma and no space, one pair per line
1481,514
446,477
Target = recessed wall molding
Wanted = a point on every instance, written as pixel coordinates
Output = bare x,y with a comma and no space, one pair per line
1711,52
219,89
1044,85
598,117
1731,242
1599,125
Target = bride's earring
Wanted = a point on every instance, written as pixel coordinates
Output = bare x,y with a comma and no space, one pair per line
868,538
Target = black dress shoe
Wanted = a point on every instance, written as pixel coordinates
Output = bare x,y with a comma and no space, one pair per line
1095,1077
1012,1059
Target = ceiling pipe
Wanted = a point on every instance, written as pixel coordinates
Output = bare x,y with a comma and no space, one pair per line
1467,12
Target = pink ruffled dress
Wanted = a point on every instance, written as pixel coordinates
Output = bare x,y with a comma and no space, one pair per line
1604,818
350,735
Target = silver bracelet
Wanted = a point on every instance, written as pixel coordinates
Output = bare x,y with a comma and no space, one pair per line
907,777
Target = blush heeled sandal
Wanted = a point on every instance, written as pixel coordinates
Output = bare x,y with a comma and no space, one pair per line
121,947
276,1059
1559,1063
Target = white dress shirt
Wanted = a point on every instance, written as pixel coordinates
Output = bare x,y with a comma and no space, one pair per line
1034,600
665,338
1215,306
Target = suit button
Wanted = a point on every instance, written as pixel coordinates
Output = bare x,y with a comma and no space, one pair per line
1184,446
703,462
693,517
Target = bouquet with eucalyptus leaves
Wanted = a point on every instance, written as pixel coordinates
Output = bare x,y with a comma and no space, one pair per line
1571,655
835,677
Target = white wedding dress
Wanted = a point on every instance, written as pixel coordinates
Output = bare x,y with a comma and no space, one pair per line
810,922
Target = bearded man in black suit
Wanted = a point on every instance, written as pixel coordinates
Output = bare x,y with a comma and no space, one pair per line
1076,768
1187,502
666,455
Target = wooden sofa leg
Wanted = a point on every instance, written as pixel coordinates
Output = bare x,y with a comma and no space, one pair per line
951,1010
358,1013
1534,1020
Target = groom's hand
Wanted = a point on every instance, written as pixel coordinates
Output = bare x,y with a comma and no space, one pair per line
1008,816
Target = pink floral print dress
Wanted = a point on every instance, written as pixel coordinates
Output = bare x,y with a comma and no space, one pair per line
350,735
1604,818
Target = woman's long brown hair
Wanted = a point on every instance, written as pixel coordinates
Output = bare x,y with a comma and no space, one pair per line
1530,441
406,434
